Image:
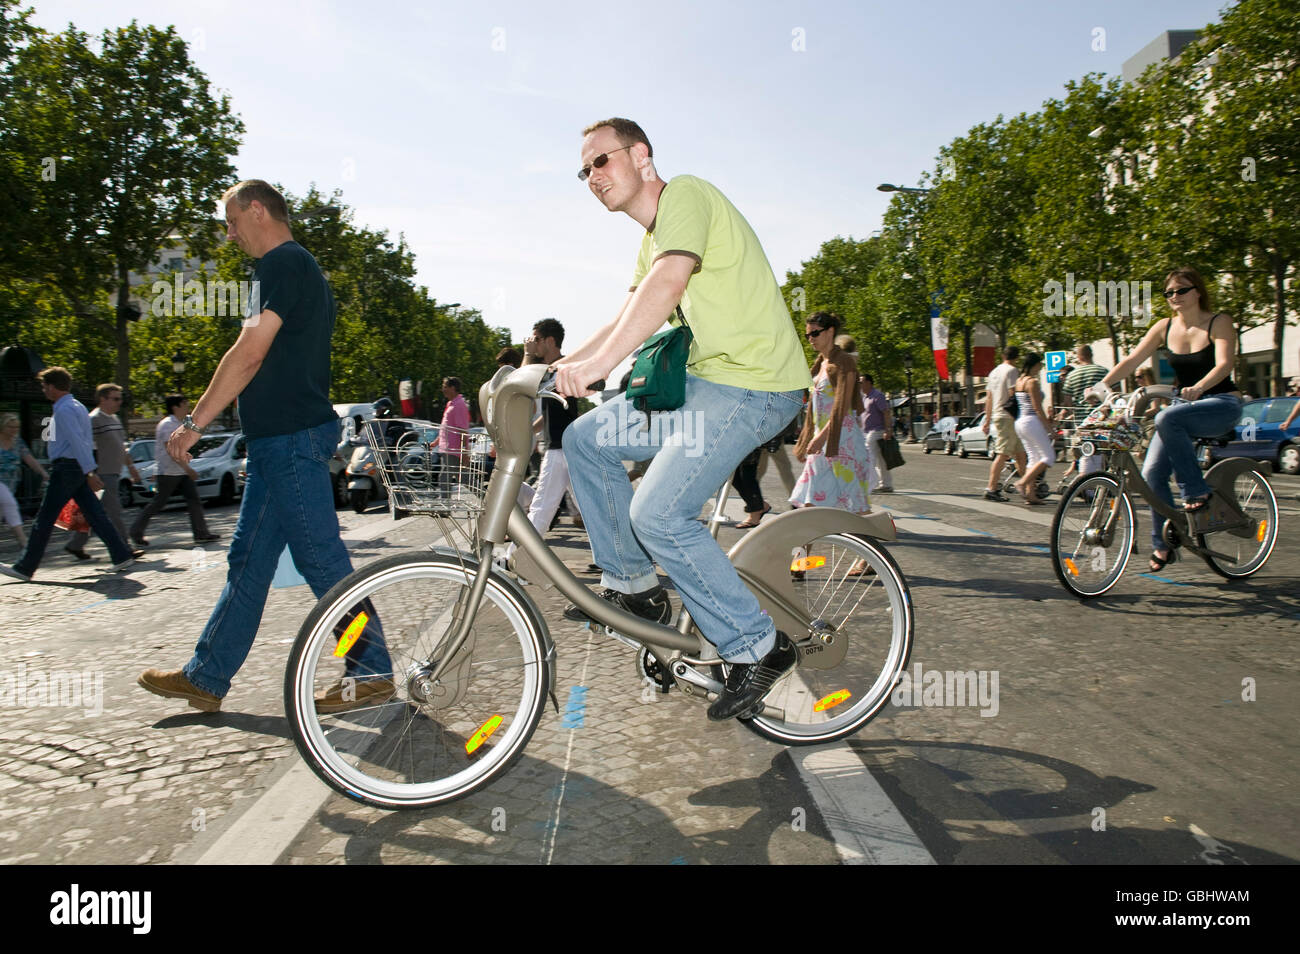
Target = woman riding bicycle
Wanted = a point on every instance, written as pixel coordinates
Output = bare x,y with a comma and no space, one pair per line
1201,345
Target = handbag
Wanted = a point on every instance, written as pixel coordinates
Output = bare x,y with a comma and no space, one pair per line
657,381
1012,406
71,518
890,452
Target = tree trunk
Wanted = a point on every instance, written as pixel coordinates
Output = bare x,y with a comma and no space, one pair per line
122,371
1279,322
970,378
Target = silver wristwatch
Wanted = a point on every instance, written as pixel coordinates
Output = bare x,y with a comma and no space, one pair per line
189,425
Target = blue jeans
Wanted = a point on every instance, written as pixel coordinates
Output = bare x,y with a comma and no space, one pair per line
288,499
68,482
695,450
1172,450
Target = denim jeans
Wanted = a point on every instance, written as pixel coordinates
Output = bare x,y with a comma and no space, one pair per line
695,450
288,499
68,482
1172,449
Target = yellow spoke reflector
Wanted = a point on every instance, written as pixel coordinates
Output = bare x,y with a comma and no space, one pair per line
1069,565
1262,532
831,701
807,563
481,736
351,634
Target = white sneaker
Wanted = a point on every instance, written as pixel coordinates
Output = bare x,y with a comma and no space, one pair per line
125,564
15,574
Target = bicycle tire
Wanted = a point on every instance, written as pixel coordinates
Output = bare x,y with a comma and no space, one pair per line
1086,565
1255,496
404,752
874,613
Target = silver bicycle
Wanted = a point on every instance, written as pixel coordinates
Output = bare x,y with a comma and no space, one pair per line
474,661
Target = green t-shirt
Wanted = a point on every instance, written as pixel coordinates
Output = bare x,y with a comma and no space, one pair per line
743,334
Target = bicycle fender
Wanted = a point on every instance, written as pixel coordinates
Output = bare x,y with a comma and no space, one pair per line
762,556
1222,474
471,564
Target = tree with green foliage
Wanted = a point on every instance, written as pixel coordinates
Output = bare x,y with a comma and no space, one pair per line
111,151
1222,183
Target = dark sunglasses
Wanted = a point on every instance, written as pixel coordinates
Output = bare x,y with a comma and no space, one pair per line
1178,291
598,163
813,334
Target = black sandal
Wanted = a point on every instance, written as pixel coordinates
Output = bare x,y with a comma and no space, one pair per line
1157,564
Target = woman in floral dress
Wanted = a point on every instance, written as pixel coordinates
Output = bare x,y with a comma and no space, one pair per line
831,445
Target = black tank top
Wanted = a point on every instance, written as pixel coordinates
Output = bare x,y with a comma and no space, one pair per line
1190,368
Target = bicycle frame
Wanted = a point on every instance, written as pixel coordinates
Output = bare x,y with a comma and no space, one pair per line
508,401
1223,513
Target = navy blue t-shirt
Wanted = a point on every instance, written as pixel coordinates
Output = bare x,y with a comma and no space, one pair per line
290,391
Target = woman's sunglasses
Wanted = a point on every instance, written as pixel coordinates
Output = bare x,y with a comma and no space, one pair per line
1178,291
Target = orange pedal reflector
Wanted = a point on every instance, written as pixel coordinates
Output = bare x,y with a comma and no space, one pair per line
1069,565
481,736
831,701
351,634
807,563
1262,532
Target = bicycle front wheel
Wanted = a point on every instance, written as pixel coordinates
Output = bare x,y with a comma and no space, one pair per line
1092,535
430,742
863,625
1239,552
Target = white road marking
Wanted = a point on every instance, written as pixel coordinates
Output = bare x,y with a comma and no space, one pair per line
548,846
1012,511
1216,852
867,827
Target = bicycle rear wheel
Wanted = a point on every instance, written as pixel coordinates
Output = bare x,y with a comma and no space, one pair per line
1238,553
1092,535
863,624
429,743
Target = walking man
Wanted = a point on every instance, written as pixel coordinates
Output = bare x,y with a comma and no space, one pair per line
279,369
745,381
110,456
1084,375
173,475
1001,382
72,477
877,421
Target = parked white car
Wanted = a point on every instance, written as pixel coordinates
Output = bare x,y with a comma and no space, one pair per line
219,462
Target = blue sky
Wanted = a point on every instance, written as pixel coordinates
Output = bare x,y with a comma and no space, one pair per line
460,127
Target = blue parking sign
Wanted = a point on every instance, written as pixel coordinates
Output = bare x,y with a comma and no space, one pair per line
1056,360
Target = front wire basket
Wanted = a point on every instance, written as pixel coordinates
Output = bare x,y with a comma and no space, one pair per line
439,472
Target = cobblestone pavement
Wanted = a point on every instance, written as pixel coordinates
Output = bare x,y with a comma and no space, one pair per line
1122,730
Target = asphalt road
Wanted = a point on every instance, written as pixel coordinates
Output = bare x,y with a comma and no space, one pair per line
1153,725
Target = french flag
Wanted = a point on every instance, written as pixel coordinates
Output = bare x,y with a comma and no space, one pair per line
939,341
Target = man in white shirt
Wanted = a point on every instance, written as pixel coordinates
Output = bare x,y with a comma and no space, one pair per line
173,475
1001,382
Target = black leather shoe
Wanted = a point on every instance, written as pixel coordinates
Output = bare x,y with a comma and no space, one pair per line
78,552
748,683
653,605
207,538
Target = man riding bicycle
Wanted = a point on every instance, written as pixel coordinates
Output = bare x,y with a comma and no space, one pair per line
745,383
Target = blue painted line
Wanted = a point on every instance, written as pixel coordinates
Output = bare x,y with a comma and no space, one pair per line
1041,549
983,533
575,708
89,605
1152,576
679,860
914,516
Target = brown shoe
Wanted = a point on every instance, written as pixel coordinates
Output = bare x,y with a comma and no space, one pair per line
348,694
175,685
